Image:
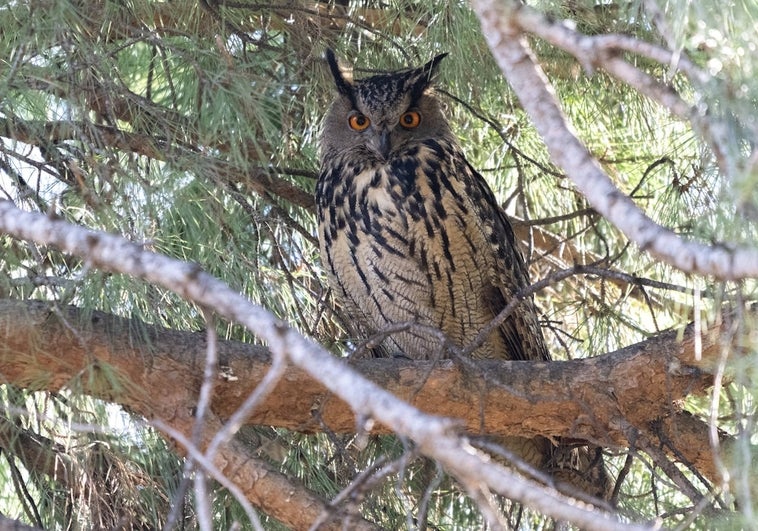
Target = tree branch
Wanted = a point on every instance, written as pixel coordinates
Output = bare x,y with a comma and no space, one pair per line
182,157
501,25
153,382
578,398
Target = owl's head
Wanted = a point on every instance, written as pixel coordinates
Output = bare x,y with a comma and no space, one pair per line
381,116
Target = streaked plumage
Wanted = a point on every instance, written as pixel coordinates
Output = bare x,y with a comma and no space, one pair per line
411,233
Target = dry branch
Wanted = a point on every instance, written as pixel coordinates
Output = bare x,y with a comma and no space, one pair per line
505,24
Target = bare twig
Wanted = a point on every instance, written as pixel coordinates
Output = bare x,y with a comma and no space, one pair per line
363,482
207,465
256,397
643,442
205,518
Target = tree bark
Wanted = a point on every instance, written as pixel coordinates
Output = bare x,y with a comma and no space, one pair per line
157,372
153,372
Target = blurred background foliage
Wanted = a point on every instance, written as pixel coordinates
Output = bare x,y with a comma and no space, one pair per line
192,127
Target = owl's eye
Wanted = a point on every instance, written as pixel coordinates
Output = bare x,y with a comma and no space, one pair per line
358,122
410,119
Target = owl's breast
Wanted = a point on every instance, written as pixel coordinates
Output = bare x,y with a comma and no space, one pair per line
364,226
368,247
400,246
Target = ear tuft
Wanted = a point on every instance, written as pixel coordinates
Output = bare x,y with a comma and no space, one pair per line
424,76
430,68
343,83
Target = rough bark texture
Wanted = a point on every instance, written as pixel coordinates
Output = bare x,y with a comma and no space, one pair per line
157,373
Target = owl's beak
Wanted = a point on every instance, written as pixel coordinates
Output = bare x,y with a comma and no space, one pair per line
382,144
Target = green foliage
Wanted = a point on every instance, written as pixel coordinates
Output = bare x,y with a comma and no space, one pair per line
194,131
61,471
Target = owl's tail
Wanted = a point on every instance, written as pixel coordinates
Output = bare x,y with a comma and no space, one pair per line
579,465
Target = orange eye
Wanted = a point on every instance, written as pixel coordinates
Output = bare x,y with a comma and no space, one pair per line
358,122
410,119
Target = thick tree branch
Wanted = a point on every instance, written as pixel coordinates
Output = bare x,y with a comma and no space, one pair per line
505,36
92,353
580,398
436,437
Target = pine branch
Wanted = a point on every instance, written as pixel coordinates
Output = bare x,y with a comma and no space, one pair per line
580,398
169,389
180,155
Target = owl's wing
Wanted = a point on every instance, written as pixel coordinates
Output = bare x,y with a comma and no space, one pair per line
521,332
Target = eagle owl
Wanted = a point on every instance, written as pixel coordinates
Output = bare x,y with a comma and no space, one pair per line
411,234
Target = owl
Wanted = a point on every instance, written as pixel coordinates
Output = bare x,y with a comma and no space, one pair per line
411,236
